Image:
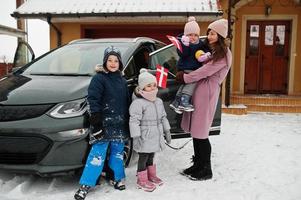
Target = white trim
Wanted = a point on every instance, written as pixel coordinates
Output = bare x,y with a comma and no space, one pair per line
292,50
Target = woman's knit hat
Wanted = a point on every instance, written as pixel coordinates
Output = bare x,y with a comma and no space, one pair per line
112,51
191,26
220,26
145,78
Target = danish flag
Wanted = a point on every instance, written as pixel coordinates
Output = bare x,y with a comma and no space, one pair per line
161,75
175,42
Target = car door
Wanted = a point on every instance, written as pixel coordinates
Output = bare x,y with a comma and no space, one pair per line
168,57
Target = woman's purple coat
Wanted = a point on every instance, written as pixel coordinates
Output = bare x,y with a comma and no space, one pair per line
209,78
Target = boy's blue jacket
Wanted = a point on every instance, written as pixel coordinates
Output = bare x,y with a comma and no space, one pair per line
108,95
187,60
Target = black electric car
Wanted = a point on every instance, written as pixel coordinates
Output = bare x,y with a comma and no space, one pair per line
43,108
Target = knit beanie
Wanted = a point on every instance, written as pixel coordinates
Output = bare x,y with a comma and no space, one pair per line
220,26
191,26
112,51
145,78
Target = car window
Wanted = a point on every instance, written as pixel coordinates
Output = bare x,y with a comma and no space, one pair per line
77,58
166,57
129,71
159,45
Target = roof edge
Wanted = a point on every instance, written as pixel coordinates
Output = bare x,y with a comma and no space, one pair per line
125,14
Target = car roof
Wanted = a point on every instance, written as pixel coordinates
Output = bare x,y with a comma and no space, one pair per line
119,40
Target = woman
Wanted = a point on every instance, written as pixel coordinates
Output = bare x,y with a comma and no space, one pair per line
209,78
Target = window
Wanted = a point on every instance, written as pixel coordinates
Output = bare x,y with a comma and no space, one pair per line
166,57
254,40
269,35
279,40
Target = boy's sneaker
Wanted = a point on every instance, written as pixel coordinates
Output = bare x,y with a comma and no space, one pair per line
82,192
175,105
118,185
185,104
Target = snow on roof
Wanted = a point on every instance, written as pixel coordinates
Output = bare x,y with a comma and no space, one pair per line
105,8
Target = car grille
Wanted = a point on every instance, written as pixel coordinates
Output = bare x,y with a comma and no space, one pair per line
13,113
23,150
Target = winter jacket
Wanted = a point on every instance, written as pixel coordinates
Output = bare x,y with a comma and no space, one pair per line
187,60
108,97
148,124
209,78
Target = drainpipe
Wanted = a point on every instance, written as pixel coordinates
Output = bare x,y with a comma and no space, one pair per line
228,79
58,32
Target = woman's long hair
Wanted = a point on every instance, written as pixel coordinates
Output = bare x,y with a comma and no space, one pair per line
219,49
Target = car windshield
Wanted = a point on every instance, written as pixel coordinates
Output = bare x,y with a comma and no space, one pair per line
72,59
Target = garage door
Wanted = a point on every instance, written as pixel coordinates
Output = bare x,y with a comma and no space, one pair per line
158,32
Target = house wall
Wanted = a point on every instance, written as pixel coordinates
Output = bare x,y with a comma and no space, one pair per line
72,31
255,10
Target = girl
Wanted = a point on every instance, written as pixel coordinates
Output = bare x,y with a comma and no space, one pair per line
108,99
209,79
148,127
191,44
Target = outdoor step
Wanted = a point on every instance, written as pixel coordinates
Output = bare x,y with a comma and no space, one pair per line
273,108
235,109
242,104
266,99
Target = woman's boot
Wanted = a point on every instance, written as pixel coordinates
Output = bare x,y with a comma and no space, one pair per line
195,159
204,171
188,171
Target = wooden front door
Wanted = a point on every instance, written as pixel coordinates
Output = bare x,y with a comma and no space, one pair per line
267,51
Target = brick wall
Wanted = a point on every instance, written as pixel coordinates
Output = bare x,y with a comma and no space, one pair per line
4,68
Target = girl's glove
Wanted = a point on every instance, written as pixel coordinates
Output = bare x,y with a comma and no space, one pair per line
185,40
168,137
205,57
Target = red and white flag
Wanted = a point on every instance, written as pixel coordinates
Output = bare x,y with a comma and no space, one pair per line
161,75
175,42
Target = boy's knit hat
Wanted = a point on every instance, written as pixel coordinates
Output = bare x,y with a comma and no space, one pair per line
112,51
220,26
191,26
145,78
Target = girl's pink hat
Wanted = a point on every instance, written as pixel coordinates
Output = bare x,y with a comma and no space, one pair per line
191,26
220,26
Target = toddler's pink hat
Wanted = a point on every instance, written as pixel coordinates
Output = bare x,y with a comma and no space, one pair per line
191,26
220,26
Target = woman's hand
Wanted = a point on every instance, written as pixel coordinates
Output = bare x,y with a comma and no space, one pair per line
180,77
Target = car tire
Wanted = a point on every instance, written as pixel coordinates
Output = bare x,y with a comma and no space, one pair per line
128,150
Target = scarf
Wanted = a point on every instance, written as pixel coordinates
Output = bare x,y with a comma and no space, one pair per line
151,96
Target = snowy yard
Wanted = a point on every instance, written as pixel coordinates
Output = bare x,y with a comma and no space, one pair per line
256,157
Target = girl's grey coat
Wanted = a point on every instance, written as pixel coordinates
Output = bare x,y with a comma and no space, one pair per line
148,124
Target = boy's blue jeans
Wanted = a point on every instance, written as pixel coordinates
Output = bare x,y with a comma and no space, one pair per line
96,160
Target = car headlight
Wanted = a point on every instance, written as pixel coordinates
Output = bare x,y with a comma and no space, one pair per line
69,109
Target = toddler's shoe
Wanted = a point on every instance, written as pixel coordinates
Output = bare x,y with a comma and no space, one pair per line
175,105
185,104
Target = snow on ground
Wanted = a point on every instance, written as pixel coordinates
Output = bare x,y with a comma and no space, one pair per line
256,157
